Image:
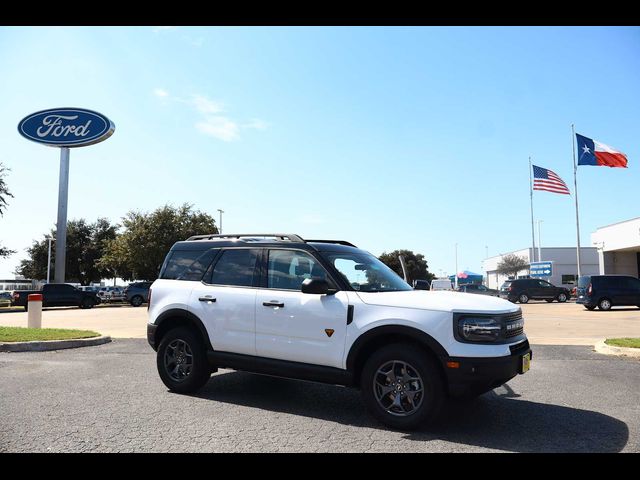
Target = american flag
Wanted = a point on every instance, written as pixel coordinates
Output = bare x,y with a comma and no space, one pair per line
545,179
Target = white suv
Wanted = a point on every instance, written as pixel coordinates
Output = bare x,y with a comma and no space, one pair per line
326,311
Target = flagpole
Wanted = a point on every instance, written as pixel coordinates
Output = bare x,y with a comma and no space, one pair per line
575,187
533,236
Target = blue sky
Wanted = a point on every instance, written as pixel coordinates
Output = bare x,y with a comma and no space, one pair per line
407,137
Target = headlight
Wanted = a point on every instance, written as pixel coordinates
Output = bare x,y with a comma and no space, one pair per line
479,329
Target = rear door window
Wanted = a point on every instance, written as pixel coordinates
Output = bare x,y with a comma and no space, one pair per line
236,267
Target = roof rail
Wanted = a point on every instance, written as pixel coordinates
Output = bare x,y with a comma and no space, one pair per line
339,242
278,236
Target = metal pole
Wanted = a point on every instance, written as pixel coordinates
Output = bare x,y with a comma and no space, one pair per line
575,186
456,272
220,227
61,232
539,242
533,235
49,260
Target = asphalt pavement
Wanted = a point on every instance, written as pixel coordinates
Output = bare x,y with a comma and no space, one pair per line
110,399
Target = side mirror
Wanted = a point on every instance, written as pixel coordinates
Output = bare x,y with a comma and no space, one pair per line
315,286
420,285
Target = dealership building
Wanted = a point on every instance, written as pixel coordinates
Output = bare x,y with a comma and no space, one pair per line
618,247
564,265
615,251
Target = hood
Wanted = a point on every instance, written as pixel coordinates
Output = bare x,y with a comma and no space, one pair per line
441,300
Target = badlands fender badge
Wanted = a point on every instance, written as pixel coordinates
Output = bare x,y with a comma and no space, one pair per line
328,331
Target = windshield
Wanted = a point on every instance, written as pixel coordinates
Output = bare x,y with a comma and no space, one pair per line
365,273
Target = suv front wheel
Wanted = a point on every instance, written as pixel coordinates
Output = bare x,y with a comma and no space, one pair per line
402,387
182,361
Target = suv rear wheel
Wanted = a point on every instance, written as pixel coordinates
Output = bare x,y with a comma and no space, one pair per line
182,361
523,298
402,387
604,304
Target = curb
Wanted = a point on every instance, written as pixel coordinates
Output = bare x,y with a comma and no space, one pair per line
605,349
45,345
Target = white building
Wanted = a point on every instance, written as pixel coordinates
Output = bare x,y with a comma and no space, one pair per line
618,247
564,265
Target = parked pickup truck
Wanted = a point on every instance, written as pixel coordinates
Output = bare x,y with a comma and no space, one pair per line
57,295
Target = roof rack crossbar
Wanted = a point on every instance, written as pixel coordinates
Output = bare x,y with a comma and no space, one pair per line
279,236
339,242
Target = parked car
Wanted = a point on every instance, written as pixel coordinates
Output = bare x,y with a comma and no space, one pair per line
112,294
57,295
479,289
441,284
606,291
137,293
5,299
524,289
327,311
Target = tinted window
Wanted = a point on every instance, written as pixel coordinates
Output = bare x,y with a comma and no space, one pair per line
235,267
630,283
196,270
178,262
289,268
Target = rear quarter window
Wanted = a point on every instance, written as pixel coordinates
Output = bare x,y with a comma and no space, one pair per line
186,264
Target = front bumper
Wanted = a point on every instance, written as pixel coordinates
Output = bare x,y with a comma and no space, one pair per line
151,335
476,375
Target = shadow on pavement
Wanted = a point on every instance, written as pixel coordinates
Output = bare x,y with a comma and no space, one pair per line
500,419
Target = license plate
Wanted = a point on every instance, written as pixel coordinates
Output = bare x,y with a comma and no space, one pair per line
526,362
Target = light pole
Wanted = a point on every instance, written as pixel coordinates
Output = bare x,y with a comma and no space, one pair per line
455,274
49,238
539,241
220,227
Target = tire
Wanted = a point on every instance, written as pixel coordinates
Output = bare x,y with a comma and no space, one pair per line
562,298
87,303
523,298
26,307
604,304
415,363
590,307
184,343
136,301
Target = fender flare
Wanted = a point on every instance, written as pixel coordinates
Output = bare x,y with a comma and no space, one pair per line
187,315
418,335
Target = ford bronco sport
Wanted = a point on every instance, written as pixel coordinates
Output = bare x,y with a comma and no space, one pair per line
326,311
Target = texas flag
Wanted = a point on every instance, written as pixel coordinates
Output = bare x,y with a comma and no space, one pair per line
591,152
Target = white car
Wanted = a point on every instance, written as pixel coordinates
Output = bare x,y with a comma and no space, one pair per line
326,311
441,284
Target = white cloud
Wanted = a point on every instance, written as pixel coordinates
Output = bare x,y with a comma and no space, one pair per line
160,92
219,127
205,105
257,124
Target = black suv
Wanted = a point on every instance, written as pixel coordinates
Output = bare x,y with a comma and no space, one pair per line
605,291
479,289
524,289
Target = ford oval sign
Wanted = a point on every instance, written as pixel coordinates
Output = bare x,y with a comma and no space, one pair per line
66,127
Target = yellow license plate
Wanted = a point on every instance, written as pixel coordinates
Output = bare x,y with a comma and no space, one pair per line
526,362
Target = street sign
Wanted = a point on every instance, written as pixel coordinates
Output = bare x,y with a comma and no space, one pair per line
66,127
541,269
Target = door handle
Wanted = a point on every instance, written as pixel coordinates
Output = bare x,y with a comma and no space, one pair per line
207,299
273,303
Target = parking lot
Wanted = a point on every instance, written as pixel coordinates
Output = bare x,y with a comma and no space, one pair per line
546,323
110,399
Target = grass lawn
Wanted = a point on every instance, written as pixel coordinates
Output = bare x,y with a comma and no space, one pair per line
21,334
623,342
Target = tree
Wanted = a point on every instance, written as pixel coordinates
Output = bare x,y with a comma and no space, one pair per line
85,247
4,194
511,264
417,267
138,252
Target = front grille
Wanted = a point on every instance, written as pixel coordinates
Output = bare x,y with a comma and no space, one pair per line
513,324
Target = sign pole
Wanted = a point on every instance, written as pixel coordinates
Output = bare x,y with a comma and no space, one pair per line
61,227
575,187
533,235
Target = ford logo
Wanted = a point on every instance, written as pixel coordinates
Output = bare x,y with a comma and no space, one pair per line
66,127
